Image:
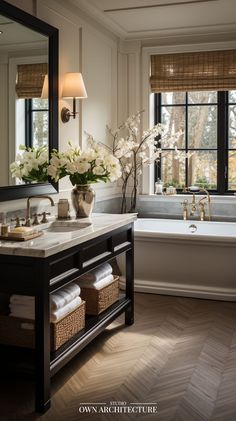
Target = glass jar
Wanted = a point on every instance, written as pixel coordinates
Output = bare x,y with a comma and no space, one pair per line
158,187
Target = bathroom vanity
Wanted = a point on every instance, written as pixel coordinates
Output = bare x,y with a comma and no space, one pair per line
43,265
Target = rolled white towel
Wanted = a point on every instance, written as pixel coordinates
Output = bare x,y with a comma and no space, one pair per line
98,273
96,284
63,296
62,312
58,299
26,313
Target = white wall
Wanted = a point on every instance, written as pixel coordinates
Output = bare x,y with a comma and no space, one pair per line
27,5
83,46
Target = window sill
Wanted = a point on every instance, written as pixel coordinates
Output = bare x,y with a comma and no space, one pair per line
180,197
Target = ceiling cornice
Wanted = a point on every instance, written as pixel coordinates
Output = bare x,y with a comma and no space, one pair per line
100,17
104,18
149,6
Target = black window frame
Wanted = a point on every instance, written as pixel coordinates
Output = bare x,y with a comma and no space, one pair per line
222,139
29,110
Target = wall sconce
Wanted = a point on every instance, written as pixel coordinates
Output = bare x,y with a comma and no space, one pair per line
73,87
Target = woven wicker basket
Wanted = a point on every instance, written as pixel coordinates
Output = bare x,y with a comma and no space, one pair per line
20,332
98,300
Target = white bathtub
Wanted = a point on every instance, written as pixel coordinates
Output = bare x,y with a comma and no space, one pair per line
171,259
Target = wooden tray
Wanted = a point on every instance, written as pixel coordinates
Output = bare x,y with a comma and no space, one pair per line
24,238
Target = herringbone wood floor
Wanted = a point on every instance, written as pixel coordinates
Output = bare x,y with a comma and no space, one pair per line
180,353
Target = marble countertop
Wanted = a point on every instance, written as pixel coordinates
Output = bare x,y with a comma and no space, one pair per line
50,243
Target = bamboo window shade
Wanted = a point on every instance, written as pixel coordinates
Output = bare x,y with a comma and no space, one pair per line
30,78
207,70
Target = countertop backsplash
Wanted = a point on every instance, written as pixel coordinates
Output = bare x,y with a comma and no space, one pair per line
148,206
152,206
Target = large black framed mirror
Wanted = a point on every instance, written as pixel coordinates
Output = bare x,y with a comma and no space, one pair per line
27,45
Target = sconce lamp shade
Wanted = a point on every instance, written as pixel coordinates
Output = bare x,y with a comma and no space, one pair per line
44,94
73,86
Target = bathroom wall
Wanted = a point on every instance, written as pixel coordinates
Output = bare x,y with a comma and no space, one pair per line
117,84
84,46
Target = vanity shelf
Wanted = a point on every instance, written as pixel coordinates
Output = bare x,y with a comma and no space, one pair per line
93,326
39,276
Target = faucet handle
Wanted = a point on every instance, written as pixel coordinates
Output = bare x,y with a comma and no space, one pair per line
17,220
202,210
185,203
36,221
28,222
44,219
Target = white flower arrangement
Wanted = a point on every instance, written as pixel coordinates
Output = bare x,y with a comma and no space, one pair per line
134,149
130,150
31,165
84,167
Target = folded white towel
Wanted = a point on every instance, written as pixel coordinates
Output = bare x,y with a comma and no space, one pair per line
95,284
30,307
98,273
64,296
21,299
62,312
22,314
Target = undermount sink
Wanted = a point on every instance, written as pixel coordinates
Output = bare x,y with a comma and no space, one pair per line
64,226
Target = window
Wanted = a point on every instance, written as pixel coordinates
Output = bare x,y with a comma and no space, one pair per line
36,122
207,120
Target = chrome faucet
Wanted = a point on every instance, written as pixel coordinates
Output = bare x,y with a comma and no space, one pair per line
28,216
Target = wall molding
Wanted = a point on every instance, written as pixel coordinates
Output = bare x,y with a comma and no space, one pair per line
181,290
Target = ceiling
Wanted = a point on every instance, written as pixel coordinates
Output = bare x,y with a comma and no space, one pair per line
14,34
142,19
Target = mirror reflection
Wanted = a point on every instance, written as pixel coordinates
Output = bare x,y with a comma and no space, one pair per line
23,94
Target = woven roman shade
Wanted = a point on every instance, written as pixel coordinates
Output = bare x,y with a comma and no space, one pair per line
30,78
206,70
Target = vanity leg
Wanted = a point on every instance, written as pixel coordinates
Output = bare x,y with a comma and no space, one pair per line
129,313
42,349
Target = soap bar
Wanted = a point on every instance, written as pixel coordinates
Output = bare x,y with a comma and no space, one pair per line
22,231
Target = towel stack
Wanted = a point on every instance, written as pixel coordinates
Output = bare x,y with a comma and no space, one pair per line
62,302
97,278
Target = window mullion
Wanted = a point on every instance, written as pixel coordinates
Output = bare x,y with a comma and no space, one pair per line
157,107
186,138
28,123
222,134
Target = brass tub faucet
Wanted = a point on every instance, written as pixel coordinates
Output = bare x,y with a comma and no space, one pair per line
197,205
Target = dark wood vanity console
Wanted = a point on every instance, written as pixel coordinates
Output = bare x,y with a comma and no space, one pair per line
40,276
